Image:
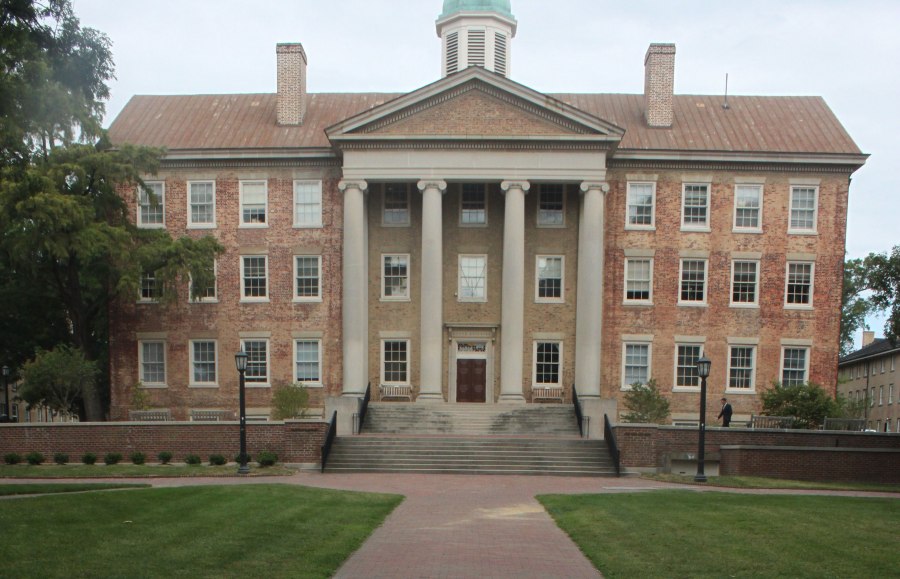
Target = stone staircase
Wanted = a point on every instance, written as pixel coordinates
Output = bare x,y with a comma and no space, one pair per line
470,439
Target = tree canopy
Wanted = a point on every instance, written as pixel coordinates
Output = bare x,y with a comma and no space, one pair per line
645,404
884,282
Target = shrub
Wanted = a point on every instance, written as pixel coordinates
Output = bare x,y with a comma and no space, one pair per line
646,404
192,459
808,403
289,401
60,458
34,458
267,458
12,458
217,460
112,458
89,458
237,458
165,457
138,458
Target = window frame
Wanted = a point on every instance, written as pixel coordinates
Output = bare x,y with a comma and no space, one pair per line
317,224
681,281
244,296
141,205
626,387
676,387
559,364
810,290
542,223
462,209
755,302
760,189
384,205
628,204
807,350
815,212
459,278
395,298
729,387
307,299
408,361
191,224
243,223
637,302
249,381
165,369
537,280
192,383
311,384
696,227
156,289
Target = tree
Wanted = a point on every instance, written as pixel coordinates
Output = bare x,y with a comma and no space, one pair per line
58,379
807,403
646,404
289,401
884,282
854,307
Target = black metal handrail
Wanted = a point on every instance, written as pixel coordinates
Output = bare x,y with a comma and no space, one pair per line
611,443
363,408
578,416
329,439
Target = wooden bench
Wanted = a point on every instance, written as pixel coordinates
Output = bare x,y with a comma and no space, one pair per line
553,394
392,391
211,415
150,415
845,424
781,422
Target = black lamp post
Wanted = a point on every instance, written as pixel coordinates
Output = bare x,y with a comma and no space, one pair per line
240,360
703,365
6,392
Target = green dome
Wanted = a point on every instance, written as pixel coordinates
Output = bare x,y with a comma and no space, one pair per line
498,6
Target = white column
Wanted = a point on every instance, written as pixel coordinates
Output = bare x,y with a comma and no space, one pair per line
589,307
512,311
355,287
432,305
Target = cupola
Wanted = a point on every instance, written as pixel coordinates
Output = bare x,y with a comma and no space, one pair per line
476,33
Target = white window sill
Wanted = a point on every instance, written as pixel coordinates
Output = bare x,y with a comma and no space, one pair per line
742,306
203,386
751,231
689,389
254,300
317,300
692,304
393,299
798,307
640,227
256,385
802,232
253,226
204,301
549,301
311,384
146,386
702,229
637,304
472,300
741,391
201,226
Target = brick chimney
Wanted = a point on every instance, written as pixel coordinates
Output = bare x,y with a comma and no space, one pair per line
868,338
291,102
659,85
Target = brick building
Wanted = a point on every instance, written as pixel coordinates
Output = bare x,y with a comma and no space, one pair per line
478,241
869,377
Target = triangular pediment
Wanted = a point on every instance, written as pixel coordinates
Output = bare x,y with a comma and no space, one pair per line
474,104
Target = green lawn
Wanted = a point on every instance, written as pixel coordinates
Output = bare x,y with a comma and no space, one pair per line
752,482
134,470
42,489
218,531
708,534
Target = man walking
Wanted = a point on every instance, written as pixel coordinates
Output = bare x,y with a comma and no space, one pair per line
725,414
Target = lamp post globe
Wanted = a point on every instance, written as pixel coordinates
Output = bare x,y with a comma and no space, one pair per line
240,361
703,367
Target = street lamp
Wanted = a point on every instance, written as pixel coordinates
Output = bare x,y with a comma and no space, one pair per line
703,365
240,360
6,392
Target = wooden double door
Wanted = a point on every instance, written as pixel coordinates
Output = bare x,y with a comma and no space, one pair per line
471,380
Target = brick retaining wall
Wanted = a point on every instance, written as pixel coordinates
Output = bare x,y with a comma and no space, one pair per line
877,465
294,442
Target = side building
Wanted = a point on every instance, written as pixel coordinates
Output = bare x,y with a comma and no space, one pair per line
869,377
476,241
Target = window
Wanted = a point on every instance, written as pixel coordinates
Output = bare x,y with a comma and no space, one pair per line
201,204
307,204
548,364
890,393
638,280
695,207
153,363
881,395
641,203
799,284
794,366
744,277
741,365
395,281
686,356
693,281
893,363
257,373
203,363
882,365
472,278
254,278
208,293
254,202
150,289
549,273
152,206
636,365
307,278
395,362
872,398
551,205
748,207
308,362
473,204
804,205
396,204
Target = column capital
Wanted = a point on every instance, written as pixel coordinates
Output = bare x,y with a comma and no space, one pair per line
424,184
523,185
343,185
602,186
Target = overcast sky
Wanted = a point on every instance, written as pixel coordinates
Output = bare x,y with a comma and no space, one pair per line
847,51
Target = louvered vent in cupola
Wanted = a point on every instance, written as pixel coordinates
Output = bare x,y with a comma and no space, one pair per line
500,53
476,48
452,52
